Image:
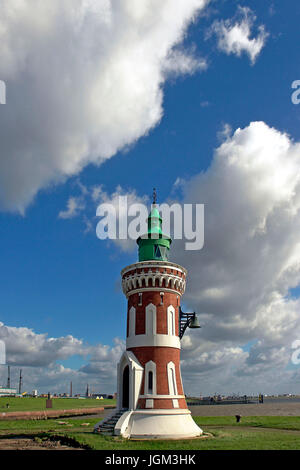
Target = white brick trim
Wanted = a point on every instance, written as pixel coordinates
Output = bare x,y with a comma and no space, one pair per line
155,340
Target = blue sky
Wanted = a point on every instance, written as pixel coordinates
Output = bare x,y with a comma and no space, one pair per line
57,278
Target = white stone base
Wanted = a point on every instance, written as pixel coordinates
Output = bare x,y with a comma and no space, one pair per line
157,424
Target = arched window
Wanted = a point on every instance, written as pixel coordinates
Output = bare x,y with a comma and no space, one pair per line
150,382
131,328
171,320
172,379
125,388
150,378
150,320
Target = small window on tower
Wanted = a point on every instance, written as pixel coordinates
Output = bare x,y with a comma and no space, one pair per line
157,252
140,299
161,298
150,382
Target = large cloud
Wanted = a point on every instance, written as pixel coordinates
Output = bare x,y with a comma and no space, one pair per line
25,347
84,80
42,358
251,194
240,280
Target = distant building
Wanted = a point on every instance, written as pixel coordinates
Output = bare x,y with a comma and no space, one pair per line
4,392
99,395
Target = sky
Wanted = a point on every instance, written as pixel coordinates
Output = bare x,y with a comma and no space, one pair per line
114,97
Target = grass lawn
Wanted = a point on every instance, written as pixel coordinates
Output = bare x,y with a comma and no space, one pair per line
252,433
38,404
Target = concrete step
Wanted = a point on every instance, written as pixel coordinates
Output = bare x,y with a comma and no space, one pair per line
108,427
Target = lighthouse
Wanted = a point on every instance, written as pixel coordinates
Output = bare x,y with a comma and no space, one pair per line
150,398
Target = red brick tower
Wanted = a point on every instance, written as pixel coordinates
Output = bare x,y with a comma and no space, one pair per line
151,401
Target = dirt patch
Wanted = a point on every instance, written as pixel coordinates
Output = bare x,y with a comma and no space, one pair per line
34,443
45,414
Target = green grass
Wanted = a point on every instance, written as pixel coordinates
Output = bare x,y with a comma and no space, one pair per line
275,422
38,404
252,433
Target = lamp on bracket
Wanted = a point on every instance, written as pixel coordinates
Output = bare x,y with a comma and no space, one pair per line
187,320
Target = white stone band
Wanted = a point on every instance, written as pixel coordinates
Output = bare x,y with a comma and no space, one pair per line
147,289
162,397
166,341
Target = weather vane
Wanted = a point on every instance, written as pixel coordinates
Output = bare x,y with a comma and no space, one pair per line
154,196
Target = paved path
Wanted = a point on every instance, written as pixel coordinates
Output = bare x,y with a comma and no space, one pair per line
261,409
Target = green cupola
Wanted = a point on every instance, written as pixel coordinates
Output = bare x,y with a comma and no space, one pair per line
154,245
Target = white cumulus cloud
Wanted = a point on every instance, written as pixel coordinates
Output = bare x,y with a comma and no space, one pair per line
234,36
41,357
74,207
240,281
84,80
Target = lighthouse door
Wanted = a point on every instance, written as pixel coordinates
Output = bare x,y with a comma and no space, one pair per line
125,394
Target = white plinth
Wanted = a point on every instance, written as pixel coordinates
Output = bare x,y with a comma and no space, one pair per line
157,424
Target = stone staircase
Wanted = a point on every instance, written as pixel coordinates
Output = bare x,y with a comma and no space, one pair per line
107,426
